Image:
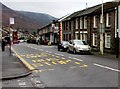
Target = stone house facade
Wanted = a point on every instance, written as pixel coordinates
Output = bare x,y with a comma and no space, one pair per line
86,25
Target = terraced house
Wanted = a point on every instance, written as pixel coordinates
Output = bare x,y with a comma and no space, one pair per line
86,25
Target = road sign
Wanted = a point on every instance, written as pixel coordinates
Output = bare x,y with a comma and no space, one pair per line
11,20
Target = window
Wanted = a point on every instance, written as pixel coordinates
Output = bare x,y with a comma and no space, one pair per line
76,35
101,19
81,36
67,25
66,37
81,26
107,20
69,36
94,39
107,40
85,36
94,22
63,36
63,26
72,25
85,22
77,23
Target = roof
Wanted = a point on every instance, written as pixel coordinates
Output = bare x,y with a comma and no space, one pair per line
72,15
108,6
89,10
94,9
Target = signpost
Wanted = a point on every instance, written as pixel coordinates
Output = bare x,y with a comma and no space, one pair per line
11,21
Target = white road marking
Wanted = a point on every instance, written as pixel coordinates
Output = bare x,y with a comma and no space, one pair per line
59,54
75,59
106,67
69,57
22,84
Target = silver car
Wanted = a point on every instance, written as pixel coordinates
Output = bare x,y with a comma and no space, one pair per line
78,46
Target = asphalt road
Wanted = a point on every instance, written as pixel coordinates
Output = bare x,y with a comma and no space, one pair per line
62,69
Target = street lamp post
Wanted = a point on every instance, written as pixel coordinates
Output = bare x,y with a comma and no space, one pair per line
11,21
118,31
101,32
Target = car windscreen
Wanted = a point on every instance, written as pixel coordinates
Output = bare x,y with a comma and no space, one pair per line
64,43
80,42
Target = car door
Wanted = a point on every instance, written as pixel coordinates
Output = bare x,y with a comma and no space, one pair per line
70,45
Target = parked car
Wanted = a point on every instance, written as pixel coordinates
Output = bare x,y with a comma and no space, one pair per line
78,46
15,41
63,45
7,40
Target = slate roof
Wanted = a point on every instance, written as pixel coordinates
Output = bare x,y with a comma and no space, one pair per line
94,9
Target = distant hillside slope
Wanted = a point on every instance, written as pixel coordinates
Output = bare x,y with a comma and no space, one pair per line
25,20
38,17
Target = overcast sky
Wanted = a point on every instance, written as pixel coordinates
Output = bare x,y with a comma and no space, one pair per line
56,8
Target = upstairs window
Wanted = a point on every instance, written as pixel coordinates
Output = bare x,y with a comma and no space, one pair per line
77,23
67,25
85,22
81,23
95,22
108,20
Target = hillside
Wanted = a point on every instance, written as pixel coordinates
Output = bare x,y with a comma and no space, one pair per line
38,17
25,20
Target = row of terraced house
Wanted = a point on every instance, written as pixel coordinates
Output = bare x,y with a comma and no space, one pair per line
86,25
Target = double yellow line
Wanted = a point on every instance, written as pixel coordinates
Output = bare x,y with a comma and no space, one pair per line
23,60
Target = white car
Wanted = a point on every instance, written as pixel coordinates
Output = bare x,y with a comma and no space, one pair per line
78,46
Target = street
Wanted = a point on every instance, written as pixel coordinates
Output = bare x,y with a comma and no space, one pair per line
62,69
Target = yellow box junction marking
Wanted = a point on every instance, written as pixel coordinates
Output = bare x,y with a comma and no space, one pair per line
47,63
34,61
23,60
54,63
34,65
40,64
84,65
57,57
63,58
78,63
62,62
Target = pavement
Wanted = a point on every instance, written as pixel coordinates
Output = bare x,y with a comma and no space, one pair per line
12,67
105,55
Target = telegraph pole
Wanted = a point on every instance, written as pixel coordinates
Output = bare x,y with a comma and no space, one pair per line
101,33
118,31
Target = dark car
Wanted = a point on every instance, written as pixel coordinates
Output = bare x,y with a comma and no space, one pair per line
63,45
7,40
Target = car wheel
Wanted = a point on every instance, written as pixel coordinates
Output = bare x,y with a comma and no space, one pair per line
58,49
74,51
63,49
68,50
